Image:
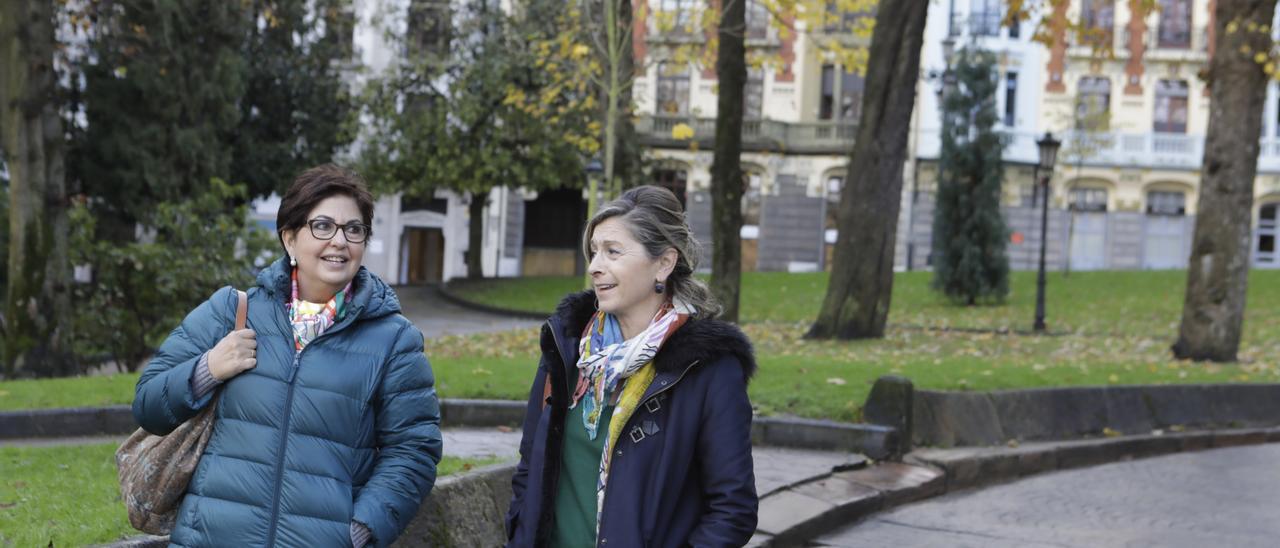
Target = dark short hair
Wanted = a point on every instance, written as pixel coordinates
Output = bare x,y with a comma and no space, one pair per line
314,186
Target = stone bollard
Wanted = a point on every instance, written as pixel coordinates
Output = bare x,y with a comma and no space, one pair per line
890,404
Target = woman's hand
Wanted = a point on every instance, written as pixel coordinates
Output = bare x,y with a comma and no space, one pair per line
234,354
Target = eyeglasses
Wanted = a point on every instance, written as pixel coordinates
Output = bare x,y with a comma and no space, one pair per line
324,229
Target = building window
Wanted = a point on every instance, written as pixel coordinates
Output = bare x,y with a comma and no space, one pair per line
1266,252
673,89
340,32
673,179
1175,24
428,29
678,14
757,20
1010,98
848,88
1166,203
851,86
751,182
1098,19
1171,106
753,95
837,21
1088,199
1093,102
826,103
834,184
985,17
1277,116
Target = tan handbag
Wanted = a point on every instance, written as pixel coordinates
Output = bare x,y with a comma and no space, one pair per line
154,470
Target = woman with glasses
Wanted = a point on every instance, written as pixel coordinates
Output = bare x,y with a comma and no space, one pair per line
327,423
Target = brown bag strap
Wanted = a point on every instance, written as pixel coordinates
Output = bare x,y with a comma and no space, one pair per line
242,309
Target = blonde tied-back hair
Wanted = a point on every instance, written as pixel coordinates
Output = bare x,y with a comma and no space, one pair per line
656,220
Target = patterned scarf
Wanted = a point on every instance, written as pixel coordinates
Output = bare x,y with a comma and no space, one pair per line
604,361
311,319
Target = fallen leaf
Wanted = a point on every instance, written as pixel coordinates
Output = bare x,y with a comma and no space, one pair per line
837,381
507,429
1108,432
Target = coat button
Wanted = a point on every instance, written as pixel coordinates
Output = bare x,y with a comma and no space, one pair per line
619,453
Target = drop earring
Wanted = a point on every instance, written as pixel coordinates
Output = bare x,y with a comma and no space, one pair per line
659,287
293,261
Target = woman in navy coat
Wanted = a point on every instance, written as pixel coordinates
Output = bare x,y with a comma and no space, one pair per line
638,429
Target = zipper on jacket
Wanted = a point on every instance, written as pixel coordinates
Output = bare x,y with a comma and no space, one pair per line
284,429
284,441
603,503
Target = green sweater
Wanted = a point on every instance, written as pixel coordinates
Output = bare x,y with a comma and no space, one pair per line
579,475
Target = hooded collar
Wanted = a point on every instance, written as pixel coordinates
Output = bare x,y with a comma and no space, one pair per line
698,340
370,297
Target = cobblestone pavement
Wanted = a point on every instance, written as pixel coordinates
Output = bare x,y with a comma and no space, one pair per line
437,317
1222,497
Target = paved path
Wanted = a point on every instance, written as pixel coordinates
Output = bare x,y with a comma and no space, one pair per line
775,467
437,317
1221,497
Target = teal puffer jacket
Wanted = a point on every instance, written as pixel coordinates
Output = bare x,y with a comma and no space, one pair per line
349,429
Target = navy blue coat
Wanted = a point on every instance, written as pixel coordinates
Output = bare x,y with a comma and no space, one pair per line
302,444
682,472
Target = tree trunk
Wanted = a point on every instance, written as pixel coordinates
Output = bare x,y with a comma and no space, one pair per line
726,167
475,235
1218,271
857,301
37,319
626,168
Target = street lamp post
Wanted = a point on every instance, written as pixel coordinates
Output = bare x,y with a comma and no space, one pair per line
1048,156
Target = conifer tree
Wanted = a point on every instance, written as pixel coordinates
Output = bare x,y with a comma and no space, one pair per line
969,234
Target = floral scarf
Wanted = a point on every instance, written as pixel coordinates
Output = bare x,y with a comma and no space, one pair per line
310,319
606,360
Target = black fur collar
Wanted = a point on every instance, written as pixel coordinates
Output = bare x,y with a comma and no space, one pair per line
700,340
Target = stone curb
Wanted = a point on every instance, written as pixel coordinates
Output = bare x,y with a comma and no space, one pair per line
948,419
469,509
446,292
868,439
118,419
793,516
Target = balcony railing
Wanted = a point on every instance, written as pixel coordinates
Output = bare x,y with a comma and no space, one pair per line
770,135
976,24
1183,41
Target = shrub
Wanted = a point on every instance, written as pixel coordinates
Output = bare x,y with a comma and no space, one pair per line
141,290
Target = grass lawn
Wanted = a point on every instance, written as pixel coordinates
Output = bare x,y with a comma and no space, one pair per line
1113,328
1094,303
69,495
